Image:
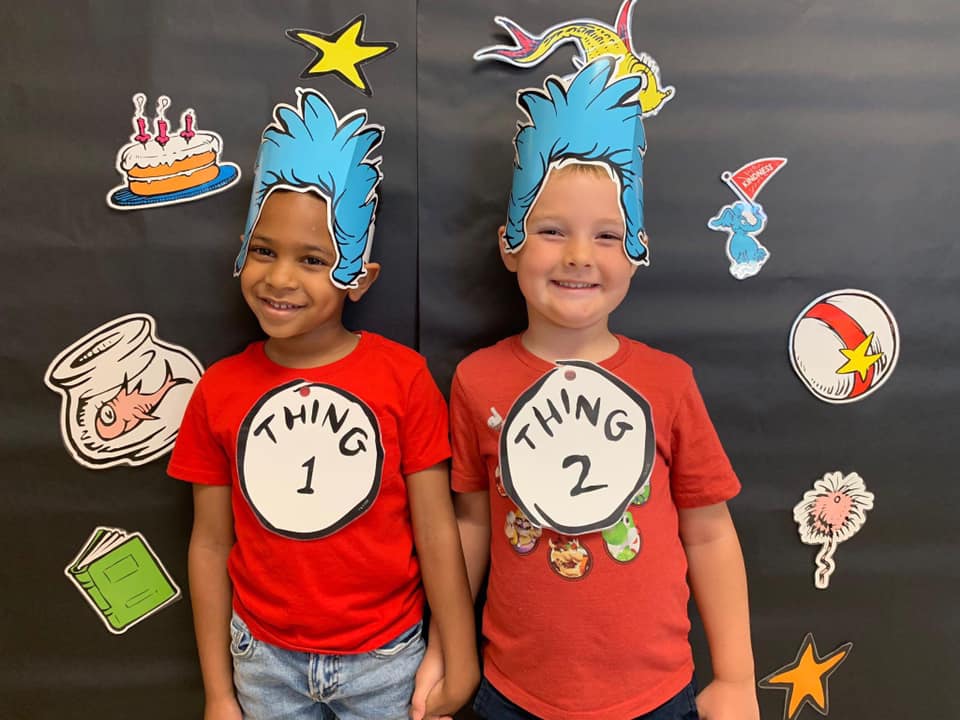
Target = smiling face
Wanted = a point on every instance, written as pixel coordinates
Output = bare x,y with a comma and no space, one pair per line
572,268
286,276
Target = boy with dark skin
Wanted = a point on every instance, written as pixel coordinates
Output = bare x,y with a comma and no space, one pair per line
293,624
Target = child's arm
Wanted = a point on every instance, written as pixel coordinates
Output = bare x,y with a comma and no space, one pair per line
210,592
473,522
448,592
719,584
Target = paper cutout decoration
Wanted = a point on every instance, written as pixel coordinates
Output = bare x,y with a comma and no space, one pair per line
593,39
576,448
119,574
744,220
309,459
582,120
830,514
844,345
308,148
164,169
123,392
342,52
805,679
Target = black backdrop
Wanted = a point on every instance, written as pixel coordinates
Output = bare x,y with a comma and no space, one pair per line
860,95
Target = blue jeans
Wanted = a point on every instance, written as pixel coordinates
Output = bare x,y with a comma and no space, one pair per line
490,704
277,684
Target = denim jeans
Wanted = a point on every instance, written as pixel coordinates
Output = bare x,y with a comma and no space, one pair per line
277,684
490,704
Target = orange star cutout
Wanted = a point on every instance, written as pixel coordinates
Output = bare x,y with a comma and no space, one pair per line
805,679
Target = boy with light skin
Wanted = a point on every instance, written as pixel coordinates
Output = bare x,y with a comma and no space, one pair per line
319,464
603,635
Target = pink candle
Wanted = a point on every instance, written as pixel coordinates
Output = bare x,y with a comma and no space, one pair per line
142,135
160,124
187,121
140,102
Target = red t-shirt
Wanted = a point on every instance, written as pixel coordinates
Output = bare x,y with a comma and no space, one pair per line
586,625
324,559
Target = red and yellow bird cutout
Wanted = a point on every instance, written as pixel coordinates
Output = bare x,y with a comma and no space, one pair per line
593,39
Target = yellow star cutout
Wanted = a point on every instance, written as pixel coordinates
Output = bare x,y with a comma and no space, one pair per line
342,52
857,359
805,679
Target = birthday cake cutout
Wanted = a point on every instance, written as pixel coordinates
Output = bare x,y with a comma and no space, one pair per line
164,168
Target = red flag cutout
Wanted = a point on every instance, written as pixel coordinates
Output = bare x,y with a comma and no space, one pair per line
751,178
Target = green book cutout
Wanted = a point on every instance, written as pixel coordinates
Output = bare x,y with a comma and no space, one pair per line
121,577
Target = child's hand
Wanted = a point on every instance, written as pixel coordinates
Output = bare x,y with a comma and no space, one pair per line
727,700
225,709
429,675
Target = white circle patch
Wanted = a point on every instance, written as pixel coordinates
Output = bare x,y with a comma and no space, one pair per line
309,459
576,448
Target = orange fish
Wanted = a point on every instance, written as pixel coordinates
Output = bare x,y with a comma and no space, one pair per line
129,407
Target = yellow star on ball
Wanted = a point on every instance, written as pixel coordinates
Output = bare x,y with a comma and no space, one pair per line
342,52
857,359
805,679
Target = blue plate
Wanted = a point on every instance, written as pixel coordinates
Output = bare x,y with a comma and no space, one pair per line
123,199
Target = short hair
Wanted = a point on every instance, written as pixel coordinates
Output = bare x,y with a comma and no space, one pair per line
588,121
308,148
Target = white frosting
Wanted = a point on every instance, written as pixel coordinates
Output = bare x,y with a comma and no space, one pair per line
152,154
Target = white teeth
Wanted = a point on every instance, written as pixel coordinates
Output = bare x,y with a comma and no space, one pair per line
281,306
574,285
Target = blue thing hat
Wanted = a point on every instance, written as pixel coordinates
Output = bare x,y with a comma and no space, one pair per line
307,148
586,119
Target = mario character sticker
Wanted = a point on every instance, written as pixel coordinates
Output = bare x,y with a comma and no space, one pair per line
844,345
309,459
521,533
593,39
744,220
829,514
623,539
308,148
581,120
121,577
805,679
123,392
576,448
568,558
166,169
342,52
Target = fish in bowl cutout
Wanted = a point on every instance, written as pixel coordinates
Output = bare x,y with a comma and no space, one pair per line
844,345
123,393
832,513
593,39
171,165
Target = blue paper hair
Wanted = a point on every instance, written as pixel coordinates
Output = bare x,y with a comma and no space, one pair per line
588,121
308,148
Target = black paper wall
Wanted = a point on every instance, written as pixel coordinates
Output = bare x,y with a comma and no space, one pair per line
860,95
